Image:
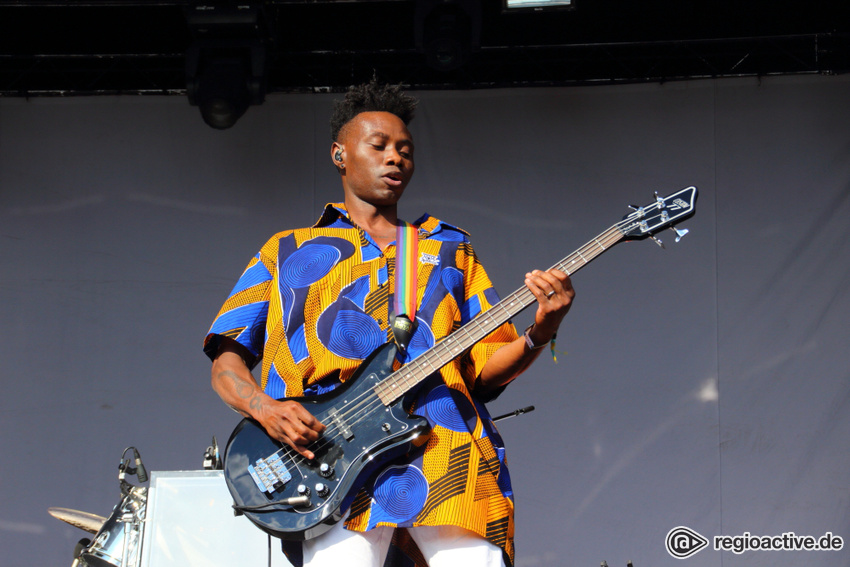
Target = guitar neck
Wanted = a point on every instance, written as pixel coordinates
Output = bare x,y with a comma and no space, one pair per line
403,380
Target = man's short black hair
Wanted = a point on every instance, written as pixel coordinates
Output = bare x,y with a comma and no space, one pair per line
371,97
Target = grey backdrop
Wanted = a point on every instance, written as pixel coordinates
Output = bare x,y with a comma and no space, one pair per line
704,385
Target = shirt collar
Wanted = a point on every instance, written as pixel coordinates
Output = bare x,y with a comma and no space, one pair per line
332,213
427,224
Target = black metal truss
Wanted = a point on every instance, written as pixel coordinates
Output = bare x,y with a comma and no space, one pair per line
490,67
86,47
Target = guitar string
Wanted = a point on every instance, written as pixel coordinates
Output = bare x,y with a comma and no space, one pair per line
586,253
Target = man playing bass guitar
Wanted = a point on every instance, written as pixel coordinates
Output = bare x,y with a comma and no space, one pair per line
315,302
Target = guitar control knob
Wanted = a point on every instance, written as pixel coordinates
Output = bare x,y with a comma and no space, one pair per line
322,489
326,470
303,490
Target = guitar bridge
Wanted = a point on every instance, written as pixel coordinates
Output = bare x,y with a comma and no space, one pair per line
269,474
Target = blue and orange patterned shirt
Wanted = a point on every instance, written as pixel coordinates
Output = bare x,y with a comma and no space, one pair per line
315,302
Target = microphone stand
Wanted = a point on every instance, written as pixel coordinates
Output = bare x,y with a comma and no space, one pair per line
514,413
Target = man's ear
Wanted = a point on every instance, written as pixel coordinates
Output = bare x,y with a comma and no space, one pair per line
338,155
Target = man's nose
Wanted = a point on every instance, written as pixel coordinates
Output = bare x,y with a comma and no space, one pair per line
392,156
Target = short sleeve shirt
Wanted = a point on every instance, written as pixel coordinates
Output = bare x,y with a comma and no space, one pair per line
315,302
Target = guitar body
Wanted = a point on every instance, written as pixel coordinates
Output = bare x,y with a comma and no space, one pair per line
362,434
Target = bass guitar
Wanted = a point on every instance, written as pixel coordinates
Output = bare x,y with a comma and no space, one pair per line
293,498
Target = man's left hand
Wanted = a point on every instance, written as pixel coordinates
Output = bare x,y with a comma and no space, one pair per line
554,292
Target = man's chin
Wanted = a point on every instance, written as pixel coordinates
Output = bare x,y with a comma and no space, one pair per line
389,197
380,197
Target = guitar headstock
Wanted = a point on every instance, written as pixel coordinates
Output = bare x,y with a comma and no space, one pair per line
665,212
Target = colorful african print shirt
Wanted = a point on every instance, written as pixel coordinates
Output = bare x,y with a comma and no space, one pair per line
314,302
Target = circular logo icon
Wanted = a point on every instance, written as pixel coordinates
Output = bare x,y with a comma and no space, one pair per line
683,542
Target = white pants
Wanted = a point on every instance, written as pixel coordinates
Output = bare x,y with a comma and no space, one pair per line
442,546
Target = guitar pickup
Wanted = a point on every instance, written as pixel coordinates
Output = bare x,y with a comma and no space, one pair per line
344,429
269,474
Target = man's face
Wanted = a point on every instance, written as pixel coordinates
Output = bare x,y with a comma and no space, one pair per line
377,151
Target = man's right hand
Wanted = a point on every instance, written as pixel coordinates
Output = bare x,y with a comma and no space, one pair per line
287,421
290,423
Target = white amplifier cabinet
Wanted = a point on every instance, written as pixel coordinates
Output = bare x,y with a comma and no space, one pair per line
190,521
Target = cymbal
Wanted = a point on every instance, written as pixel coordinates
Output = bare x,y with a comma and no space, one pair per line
83,520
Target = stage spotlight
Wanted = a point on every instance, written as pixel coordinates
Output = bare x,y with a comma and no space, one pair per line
447,31
223,83
226,63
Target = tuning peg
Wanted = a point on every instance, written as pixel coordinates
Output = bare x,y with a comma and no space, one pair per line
680,233
657,241
660,200
639,210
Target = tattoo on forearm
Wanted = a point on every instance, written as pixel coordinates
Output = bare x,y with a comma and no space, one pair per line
255,403
244,389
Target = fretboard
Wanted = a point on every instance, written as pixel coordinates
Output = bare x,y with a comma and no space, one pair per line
403,380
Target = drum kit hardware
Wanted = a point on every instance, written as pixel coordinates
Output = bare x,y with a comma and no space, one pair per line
117,540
